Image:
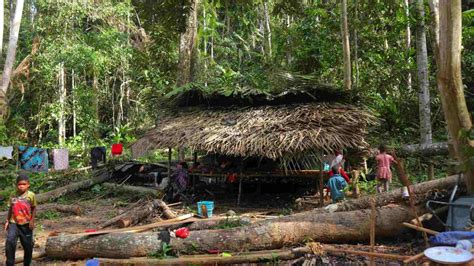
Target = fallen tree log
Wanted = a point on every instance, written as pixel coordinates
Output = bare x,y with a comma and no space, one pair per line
419,192
425,150
99,176
72,209
145,191
265,235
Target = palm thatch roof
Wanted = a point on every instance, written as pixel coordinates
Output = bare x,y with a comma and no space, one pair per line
288,133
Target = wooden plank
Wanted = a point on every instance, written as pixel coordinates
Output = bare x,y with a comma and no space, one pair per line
142,228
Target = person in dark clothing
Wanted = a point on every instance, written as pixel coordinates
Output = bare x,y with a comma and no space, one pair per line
98,154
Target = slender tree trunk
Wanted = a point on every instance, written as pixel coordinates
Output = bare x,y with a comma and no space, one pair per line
62,106
423,83
204,26
10,60
95,87
356,45
346,47
408,44
74,103
434,11
187,46
450,82
289,57
267,33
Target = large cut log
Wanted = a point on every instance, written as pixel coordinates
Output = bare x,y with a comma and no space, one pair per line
145,191
419,190
99,176
270,234
71,209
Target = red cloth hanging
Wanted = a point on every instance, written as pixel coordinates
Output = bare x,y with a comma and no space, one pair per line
117,149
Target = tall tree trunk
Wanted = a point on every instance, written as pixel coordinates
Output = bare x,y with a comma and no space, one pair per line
62,106
450,82
10,60
408,43
187,46
345,46
289,57
267,33
434,11
204,27
356,44
422,70
74,103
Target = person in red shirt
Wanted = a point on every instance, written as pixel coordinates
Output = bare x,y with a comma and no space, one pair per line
20,221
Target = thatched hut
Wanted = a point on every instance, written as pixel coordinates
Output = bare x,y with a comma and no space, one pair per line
284,132
292,127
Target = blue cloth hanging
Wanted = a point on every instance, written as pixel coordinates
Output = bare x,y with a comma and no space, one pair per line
33,159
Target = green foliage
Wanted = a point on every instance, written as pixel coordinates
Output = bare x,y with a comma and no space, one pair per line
122,57
163,253
49,215
230,222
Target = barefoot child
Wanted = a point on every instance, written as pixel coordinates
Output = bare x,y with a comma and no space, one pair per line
20,221
384,174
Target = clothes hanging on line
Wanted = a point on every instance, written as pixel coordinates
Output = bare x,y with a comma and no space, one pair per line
33,159
61,159
98,154
117,149
6,152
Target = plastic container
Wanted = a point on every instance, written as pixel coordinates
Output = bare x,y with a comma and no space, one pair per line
208,205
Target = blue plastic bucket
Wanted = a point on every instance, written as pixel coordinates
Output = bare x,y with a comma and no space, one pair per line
209,207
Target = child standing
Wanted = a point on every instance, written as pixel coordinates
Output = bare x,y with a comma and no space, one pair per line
337,184
384,174
20,221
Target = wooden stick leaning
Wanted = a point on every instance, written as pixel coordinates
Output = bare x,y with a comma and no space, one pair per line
404,179
421,229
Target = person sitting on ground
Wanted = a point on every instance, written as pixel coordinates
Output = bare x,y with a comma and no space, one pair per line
384,174
20,221
336,185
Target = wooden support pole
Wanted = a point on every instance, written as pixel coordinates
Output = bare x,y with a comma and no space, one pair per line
169,164
240,191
